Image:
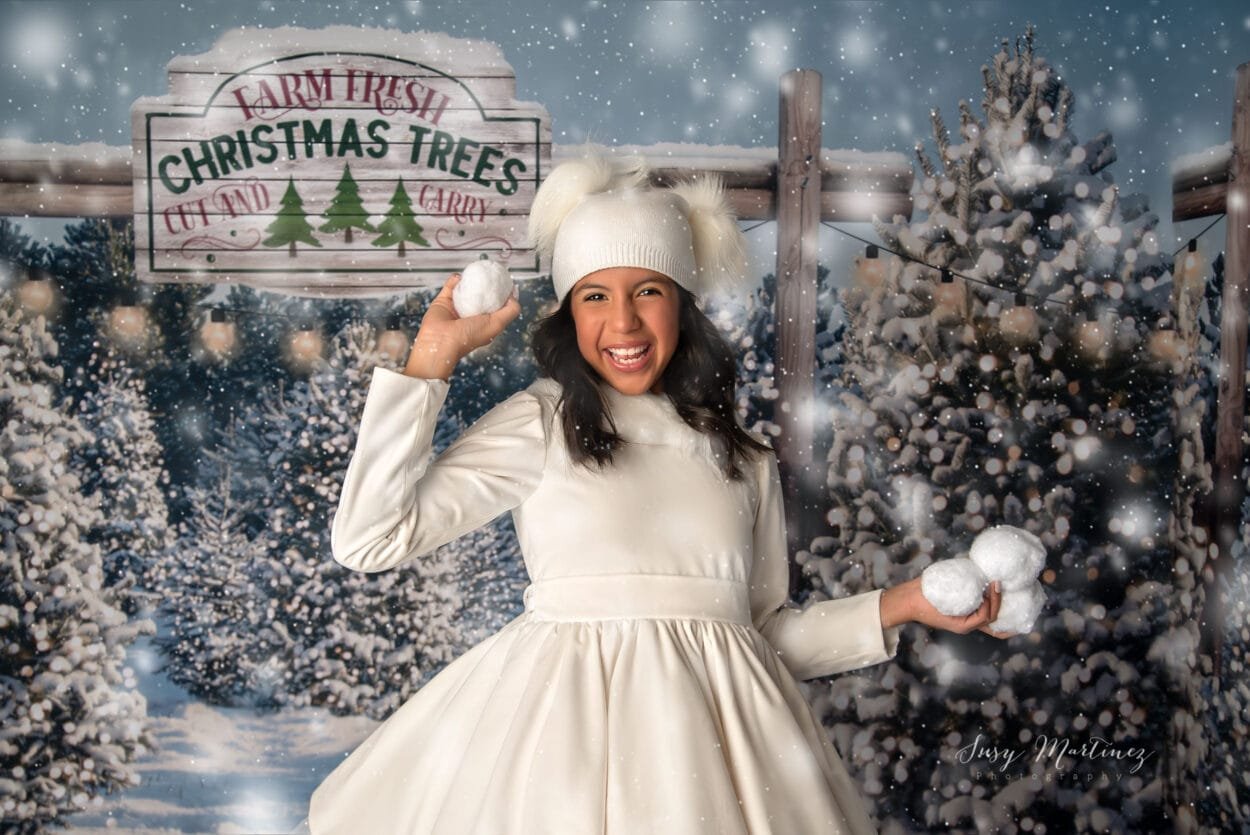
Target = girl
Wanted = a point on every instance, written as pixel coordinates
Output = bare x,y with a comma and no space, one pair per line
651,683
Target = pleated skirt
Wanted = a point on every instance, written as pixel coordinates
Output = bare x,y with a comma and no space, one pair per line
619,705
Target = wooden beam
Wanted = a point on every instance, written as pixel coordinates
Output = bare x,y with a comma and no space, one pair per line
855,186
88,163
835,206
1200,187
1200,183
1199,202
1231,403
798,230
66,200
76,171
1212,170
19,198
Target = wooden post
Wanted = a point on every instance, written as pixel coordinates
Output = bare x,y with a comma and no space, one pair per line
1231,406
798,227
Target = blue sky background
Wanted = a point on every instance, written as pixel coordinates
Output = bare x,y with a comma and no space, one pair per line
1158,75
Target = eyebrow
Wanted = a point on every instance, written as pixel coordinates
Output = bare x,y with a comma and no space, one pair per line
636,283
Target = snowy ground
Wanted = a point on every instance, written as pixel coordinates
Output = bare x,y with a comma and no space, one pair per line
221,770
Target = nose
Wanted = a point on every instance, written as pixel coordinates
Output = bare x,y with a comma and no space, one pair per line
624,314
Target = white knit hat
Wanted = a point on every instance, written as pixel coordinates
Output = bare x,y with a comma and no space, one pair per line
595,212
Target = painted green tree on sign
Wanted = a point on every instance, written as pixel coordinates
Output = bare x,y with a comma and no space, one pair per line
346,211
400,225
291,225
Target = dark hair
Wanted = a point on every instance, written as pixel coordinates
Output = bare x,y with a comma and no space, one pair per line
700,381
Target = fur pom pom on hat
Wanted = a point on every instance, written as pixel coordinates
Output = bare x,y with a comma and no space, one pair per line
597,211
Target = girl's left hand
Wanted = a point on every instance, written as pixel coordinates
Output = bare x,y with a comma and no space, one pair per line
922,611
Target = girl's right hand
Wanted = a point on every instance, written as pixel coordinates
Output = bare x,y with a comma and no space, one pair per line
445,337
905,603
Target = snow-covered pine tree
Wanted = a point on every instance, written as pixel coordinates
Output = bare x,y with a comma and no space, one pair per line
356,642
350,641
97,258
965,406
17,251
216,641
1223,772
73,720
125,466
1213,726
1190,540
748,324
241,439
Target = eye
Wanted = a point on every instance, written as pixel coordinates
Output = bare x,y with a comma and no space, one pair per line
593,296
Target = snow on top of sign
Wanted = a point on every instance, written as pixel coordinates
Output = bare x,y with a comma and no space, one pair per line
1200,161
95,153
253,43
731,157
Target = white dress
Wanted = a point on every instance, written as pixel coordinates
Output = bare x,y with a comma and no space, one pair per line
649,686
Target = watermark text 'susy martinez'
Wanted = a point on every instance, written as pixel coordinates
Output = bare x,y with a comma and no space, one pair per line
1094,749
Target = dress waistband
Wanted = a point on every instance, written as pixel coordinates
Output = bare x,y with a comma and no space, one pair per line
612,596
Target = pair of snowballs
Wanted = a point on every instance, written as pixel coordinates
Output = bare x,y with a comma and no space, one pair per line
1005,553
1012,556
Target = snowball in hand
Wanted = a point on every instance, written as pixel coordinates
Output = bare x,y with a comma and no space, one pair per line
954,587
483,288
1008,554
1019,608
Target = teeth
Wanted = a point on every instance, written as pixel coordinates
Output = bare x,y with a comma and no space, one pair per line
627,353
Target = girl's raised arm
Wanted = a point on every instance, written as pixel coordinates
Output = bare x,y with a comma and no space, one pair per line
396,505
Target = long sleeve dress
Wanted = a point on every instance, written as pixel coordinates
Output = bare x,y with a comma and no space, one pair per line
649,687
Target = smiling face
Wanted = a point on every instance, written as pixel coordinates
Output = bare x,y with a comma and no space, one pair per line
627,325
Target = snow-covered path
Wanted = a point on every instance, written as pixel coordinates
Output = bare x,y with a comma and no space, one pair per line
221,770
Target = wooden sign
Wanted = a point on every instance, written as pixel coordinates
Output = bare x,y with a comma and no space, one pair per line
338,161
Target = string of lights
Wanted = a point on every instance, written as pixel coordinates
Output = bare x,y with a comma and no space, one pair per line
397,320
947,274
35,287
1192,244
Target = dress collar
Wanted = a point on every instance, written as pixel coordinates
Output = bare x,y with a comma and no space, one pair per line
646,418
649,418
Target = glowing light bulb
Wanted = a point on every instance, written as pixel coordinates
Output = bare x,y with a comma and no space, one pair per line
870,272
305,345
1166,347
218,334
128,322
1018,324
949,302
393,341
1093,339
37,293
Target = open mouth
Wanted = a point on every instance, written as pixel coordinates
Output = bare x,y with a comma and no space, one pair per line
629,359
